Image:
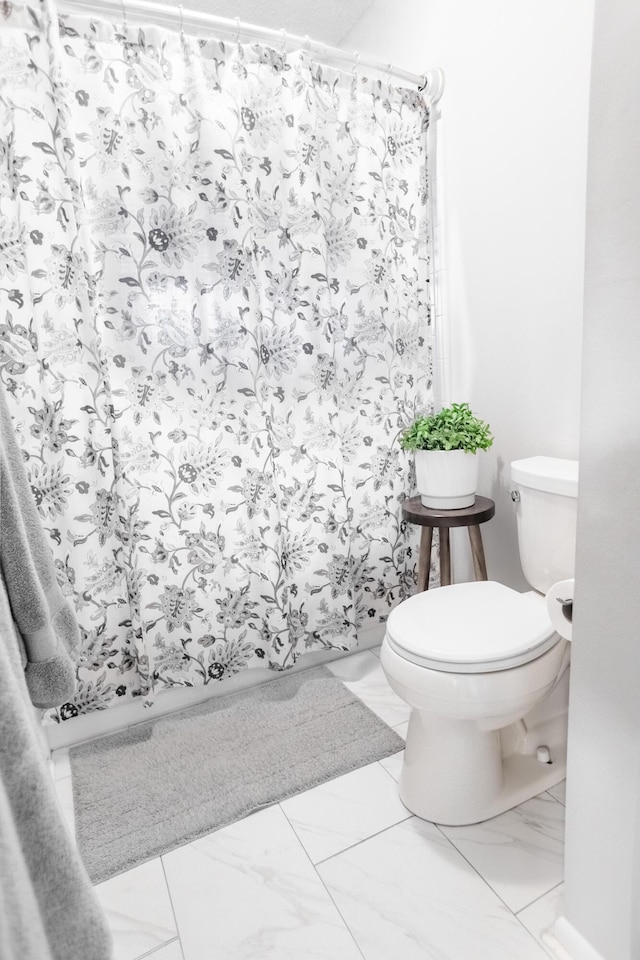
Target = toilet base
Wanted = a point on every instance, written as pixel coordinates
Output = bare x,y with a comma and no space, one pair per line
456,774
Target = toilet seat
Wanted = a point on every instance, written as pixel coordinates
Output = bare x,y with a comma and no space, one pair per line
471,628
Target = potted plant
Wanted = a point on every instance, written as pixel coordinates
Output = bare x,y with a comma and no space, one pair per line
445,445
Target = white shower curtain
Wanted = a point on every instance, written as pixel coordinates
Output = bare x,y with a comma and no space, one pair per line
214,320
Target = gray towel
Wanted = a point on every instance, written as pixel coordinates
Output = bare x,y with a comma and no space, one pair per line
44,619
48,909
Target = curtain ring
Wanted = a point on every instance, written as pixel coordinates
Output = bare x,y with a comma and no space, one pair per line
181,9
124,17
355,66
237,19
283,48
388,76
307,43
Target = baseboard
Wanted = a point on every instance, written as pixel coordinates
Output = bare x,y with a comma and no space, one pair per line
567,944
123,715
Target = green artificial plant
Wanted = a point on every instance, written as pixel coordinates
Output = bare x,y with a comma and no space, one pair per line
452,428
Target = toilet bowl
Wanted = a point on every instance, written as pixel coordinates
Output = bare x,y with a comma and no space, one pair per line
473,660
484,670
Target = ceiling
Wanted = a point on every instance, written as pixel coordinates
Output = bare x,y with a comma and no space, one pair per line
328,21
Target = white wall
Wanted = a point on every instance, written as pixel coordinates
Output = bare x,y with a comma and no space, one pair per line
602,866
511,189
514,138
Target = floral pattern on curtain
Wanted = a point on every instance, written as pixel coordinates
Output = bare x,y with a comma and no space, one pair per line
214,321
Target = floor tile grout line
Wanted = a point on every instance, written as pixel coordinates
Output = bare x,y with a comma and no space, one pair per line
409,816
372,707
532,935
356,843
557,799
341,915
514,912
549,796
329,894
475,869
393,726
448,839
173,909
150,953
388,772
541,897
390,827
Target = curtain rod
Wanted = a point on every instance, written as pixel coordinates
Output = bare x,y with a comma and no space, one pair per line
148,11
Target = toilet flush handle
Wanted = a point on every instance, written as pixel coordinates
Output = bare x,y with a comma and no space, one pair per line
515,496
567,608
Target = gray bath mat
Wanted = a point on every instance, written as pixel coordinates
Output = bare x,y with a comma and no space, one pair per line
144,791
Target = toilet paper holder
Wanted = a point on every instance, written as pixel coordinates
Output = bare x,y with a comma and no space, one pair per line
567,608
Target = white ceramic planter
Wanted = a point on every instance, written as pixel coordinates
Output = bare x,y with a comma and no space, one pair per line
447,479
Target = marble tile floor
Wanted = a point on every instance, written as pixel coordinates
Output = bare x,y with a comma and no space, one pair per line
345,872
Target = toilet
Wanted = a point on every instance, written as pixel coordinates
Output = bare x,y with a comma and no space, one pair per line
484,671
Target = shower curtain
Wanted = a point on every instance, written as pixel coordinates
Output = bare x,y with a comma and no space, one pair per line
214,321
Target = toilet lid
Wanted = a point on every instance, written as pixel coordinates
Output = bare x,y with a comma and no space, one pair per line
471,628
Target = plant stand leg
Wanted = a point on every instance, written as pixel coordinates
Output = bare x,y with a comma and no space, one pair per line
445,557
477,552
424,561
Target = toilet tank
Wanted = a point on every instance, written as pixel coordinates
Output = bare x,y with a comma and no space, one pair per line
546,511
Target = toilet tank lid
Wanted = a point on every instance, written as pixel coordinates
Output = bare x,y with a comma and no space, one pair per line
547,474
